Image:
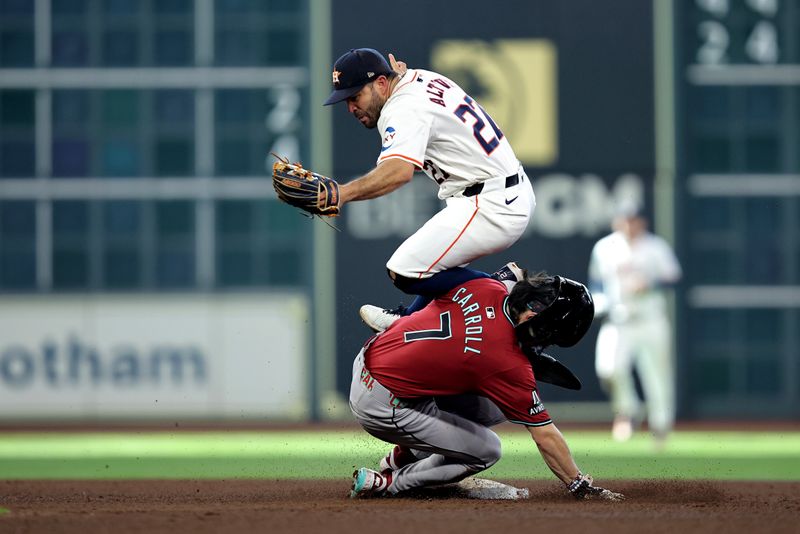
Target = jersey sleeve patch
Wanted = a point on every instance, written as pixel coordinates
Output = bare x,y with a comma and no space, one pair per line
537,414
388,139
515,393
536,404
405,131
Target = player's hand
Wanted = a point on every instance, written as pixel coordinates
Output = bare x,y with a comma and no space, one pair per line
398,66
582,487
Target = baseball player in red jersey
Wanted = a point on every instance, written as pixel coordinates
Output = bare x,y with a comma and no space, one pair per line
428,123
463,350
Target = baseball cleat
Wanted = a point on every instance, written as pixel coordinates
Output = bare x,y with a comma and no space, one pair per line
622,429
510,274
369,483
397,458
378,319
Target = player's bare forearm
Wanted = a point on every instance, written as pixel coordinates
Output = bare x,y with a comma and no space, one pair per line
555,451
382,180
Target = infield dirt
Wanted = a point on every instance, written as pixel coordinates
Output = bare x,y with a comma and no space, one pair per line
89,507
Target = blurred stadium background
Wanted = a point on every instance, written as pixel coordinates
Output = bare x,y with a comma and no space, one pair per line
148,274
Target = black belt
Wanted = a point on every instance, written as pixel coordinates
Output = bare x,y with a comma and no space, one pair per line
475,189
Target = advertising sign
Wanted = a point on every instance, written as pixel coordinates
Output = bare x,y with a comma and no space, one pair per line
141,357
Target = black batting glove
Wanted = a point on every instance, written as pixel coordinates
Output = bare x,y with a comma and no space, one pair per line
582,487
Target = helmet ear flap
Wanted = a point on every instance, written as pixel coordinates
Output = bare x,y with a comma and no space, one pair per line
534,332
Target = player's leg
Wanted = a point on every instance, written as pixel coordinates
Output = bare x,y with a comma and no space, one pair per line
473,407
450,447
605,354
425,289
467,228
432,261
431,287
416,267
400,456
379,319
372,408
655,369
614,369
458,447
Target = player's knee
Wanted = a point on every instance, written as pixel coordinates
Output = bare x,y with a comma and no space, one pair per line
403,283
492,451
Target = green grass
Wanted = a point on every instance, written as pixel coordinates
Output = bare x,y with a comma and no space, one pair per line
331,455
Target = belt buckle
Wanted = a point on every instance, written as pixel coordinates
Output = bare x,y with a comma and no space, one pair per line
473,190
512,180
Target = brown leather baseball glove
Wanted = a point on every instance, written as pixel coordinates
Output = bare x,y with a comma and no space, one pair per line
305,189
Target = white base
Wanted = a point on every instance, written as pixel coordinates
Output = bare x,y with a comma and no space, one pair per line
485,489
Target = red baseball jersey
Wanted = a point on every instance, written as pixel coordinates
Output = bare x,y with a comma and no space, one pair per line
462,342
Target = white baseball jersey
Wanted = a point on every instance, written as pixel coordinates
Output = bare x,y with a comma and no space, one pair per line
431,122
621,266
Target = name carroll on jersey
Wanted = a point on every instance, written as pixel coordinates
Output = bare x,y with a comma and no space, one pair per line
473,316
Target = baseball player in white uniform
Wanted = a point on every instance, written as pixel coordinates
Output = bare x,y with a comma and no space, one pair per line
428,123
628,273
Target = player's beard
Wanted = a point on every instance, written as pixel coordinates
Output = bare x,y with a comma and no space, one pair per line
373,111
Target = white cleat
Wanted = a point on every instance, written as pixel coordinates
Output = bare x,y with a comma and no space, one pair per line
378,319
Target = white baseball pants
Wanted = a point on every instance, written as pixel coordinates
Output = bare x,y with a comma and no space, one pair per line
643,344
458,446
466,229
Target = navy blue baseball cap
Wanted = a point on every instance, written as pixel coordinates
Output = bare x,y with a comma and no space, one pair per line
354,70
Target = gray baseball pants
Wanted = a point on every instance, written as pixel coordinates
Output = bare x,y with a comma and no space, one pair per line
449,434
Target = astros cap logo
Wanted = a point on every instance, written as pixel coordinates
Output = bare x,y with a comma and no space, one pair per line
355,69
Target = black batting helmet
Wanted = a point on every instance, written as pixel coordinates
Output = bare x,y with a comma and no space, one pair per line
564,311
